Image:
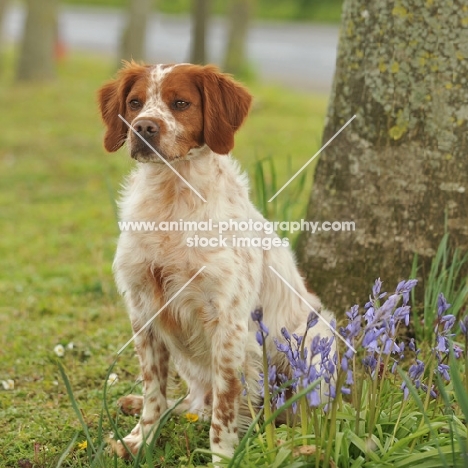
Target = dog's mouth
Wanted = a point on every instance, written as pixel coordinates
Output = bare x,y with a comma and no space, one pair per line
145,154
159,157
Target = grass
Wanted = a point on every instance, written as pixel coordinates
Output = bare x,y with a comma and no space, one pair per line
57,192
327,11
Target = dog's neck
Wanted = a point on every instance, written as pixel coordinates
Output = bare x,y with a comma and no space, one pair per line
218,179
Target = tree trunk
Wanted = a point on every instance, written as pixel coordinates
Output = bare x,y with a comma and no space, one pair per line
200,17
37,56
235,58
3,6
401,167
133,42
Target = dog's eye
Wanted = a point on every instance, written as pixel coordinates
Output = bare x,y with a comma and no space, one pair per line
134,104
180,105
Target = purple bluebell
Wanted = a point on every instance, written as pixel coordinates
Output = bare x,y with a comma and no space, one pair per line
376,288
443,371
312,320
442,305
257,314
464,326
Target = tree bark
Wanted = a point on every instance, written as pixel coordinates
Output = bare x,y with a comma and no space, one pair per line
235,59
3,7
200,18
400,170
37,56
133,43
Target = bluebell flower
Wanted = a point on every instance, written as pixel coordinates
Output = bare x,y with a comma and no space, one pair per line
369,315
257,314
313,398
370,339
344,363
298,339
443,371
464,325
259,337
312,320
402,313
263,328
388,306
416,370
404,288
262,332
376,288
442,305
448,321
286,334
370,363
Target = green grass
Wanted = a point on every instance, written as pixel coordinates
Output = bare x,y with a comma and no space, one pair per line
58,235
326,11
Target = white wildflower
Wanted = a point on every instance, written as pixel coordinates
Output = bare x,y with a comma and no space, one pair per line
8,384
59,350
112,379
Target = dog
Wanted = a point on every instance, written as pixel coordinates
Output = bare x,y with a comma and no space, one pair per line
188,114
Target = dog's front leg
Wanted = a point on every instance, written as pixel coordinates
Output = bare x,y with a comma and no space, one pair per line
154,362
228,360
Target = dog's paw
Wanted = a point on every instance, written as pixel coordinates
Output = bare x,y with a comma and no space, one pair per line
132,445
131,404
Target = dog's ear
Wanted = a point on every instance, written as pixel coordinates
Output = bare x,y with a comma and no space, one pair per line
111,99
225,106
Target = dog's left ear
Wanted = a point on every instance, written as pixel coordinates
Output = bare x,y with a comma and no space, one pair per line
225,106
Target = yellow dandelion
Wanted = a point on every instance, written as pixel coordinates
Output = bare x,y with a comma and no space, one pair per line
83,445
190,417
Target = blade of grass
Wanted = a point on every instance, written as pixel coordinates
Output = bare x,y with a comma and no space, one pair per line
67,450
420,405
74,404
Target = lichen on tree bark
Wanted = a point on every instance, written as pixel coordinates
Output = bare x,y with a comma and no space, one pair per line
401,168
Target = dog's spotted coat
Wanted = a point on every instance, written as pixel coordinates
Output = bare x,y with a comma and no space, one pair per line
189,114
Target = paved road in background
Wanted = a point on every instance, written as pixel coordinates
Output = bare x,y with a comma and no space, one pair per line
299,55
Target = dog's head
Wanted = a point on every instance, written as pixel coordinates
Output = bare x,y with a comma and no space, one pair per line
175,108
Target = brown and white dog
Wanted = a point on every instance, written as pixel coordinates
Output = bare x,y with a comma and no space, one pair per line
189,114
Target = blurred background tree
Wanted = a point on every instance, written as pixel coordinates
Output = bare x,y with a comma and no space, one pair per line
200,20
133,43
3,6
235,59
400,170
37,55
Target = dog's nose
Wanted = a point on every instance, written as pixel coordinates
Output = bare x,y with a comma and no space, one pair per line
146,128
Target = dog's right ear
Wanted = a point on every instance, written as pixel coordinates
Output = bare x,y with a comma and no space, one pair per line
112,102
